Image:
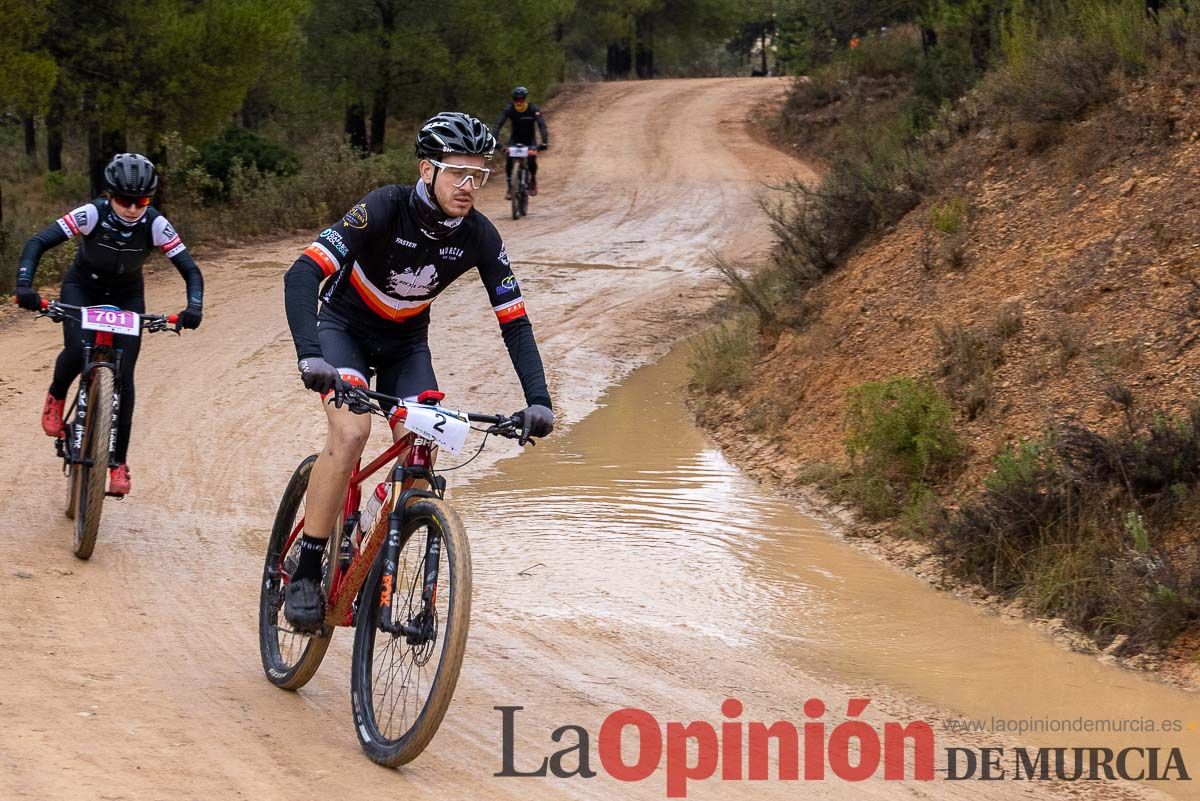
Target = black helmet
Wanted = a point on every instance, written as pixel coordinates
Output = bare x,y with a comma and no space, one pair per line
520,93
454,132
131,174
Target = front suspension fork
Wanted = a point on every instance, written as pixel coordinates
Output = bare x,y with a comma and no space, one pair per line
419,628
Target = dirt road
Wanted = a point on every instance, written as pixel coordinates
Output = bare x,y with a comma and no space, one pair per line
136,675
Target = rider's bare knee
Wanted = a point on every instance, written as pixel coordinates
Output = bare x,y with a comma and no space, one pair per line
347,440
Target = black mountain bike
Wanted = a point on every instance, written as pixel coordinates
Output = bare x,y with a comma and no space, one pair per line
89,435
518,182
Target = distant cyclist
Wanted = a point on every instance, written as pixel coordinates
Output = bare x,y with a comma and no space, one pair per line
116,233
382,266
523,115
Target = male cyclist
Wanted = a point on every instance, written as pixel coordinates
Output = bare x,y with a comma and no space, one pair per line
116,232
523,115
382,265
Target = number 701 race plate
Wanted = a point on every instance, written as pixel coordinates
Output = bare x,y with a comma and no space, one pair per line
101,318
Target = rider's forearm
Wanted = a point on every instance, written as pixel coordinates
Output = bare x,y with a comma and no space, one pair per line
191,276
301,285
523,350
31,254
542,127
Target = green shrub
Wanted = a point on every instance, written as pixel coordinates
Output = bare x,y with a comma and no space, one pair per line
722,357
921,511
238,147
949,216
1118,28
332,177
1062,79
895,54
1074,522
900,429
67,187
1018,36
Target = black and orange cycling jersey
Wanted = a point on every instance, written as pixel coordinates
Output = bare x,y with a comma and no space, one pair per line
384,263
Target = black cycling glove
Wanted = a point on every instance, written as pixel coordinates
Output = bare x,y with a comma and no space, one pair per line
28,298
536,421
317,374
190,317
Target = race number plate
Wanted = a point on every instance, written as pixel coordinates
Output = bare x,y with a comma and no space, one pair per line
448,429
518,152
104,318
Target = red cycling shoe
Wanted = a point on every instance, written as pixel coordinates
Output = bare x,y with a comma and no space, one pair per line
118,480
52,416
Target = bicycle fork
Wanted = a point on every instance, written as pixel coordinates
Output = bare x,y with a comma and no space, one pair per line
79,424
420,628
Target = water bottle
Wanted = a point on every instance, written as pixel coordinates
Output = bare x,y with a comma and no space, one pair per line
370,512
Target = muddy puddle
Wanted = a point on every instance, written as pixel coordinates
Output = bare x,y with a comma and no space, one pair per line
635,520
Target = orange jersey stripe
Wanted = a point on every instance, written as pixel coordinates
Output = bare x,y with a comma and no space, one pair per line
385,311
323,261
511,312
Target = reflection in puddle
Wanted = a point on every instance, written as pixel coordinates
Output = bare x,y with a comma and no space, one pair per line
635,519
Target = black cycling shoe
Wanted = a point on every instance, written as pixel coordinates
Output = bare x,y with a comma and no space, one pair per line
304,605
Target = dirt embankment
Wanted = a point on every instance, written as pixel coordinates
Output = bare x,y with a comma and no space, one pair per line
1086,232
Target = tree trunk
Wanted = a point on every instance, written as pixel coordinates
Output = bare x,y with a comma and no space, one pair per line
102,146
30,137
644,38
54,141
379,113
158,155
379,103
356,127
618,62
764,51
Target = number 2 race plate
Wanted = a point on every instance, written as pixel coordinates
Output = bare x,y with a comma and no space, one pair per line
448,429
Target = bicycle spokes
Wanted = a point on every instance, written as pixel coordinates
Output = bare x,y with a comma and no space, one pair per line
407,646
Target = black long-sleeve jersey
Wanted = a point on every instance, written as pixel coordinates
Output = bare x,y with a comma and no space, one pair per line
523,123
111,250
378,264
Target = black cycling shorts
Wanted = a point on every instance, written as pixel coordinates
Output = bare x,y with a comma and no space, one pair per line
397,356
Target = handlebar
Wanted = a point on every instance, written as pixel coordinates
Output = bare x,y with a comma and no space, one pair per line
361,400
57,312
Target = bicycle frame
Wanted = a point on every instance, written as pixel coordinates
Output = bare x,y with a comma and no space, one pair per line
414,457
521,165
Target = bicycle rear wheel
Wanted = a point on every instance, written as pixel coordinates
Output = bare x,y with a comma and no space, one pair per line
401,686
90,478
290,658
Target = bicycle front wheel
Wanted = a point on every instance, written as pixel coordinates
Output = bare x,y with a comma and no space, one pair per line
89,479
290,658
72,470
401,684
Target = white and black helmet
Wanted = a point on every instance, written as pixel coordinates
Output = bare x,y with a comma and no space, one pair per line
131,174
454,132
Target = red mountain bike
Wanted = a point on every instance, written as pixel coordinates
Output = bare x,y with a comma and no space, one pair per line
400,575
87,442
